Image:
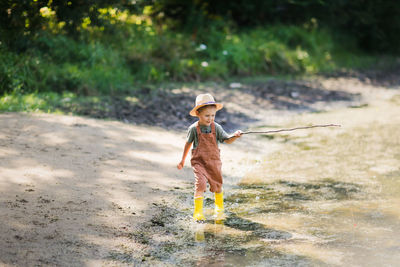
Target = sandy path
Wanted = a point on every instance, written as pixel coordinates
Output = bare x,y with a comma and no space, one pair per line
73,189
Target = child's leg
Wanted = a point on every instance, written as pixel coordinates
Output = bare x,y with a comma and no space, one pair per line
198,205
198,193
198,209
200,188
219,205
219,201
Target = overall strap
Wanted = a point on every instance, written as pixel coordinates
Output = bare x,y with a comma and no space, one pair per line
213,128
213,132
198,129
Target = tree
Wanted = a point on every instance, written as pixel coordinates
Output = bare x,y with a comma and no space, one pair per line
20,20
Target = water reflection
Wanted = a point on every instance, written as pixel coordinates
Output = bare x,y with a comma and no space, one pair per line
238,242
290,223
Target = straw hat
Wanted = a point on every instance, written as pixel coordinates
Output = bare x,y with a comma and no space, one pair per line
204,100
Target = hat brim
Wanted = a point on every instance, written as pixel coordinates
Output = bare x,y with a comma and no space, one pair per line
194,113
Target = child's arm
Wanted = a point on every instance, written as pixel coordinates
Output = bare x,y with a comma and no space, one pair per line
185,152
235,136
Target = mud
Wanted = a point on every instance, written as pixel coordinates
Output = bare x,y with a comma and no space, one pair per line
168,108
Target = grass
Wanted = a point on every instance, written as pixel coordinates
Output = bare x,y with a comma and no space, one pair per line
32,102
50,102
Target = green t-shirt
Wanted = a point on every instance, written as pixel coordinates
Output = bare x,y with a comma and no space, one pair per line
192,133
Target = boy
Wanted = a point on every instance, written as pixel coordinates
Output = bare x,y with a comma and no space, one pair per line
205,135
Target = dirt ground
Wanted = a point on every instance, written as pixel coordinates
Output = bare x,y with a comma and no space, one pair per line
78,191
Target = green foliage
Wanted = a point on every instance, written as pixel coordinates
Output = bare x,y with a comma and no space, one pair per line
50,102
108,65
58,64
374,24
21,20
17,72
54,53
105,47
278,49
31,102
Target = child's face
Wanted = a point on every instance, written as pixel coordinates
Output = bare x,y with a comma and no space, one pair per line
207,115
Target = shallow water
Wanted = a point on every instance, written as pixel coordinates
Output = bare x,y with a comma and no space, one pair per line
326,199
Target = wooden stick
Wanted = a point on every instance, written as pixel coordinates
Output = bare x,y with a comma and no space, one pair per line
292,129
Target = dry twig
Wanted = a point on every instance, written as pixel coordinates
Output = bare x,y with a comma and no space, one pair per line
291,129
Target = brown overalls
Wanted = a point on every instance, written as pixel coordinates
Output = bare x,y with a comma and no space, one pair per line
206,162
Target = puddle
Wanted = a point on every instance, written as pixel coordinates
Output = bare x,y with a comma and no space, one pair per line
325,199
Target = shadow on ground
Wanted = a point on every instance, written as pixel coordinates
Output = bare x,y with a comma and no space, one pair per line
73,189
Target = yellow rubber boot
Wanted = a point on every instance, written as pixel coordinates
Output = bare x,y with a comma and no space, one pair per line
198,209
219,206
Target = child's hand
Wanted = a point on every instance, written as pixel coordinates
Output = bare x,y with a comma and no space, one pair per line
233,137
180,165
238,133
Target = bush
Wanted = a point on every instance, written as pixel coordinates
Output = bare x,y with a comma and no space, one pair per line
17,72
105,65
